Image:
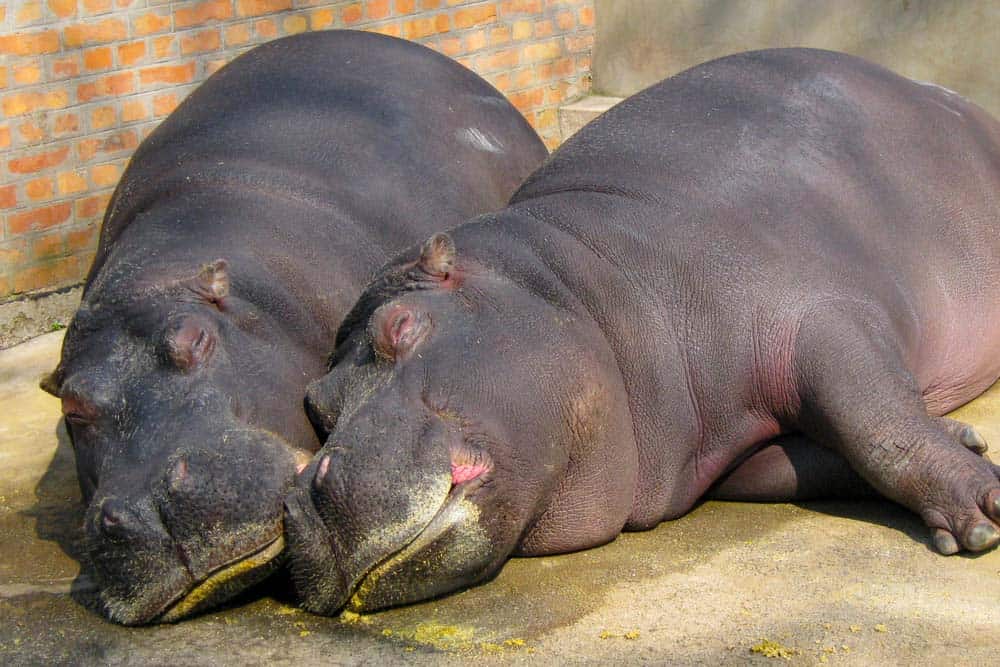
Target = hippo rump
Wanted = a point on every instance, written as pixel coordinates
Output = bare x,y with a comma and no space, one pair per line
307,161
769,262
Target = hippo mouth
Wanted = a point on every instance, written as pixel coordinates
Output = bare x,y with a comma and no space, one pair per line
425,566
224,582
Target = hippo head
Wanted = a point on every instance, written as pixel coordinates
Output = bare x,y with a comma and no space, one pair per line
166,389
451,432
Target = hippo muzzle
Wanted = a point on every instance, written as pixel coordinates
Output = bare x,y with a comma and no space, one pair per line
207,526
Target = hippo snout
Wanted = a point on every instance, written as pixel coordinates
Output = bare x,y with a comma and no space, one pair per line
196,529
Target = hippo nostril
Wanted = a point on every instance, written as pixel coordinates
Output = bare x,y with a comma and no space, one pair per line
321,470
178,474
112,519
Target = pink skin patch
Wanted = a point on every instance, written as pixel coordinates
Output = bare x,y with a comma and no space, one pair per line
466,472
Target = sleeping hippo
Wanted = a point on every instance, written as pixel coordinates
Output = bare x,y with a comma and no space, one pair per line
755,275
309,160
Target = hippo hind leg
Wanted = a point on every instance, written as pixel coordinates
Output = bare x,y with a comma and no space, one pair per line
796,467
856,393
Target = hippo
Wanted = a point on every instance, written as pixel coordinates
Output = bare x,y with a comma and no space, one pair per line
309,160
746,281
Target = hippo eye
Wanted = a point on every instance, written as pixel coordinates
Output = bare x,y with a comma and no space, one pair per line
77,411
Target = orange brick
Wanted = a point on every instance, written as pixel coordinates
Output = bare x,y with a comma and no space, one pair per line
293,25
22,103
164,104
351,13
545,119
522,30
27,73
587,16
82,239
499,35
99,32
39,218
131,53
4,136
521,7
466,18
475,40
430,4
164,46
260,7
418,28
115,143
266,29
29,12
240,33
31,133
405,6
504,59
102,118
91,207
104,175
543,29
565,20
203,12
97,59
199,42
70,182
29,164
543,51
577,43
450,46
96,6
8,196
150,23
30,44
113,84
523,78
167,74
501,82
3,77
393,29
528,99
12,253
64,68
133,110
320,19
377,9
47,246
62,271
66,124
63,8
213,66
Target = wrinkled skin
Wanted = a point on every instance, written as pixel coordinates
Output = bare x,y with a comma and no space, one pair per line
765,278
309,160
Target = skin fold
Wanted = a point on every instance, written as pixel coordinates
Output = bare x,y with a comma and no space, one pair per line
764,278
309,160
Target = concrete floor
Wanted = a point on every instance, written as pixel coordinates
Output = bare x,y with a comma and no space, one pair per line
820,583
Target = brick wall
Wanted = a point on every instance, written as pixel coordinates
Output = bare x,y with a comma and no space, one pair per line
83,81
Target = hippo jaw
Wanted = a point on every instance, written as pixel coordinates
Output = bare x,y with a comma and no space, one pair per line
449,551
225,582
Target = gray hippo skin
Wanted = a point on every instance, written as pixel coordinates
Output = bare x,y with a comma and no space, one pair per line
765,258
308,161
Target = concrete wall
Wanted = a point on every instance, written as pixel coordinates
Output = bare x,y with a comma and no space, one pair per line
83,81
955,43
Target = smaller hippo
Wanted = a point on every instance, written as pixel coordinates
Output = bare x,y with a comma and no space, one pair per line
758,274
310,159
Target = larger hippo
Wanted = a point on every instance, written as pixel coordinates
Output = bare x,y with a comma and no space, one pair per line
309,160
779,242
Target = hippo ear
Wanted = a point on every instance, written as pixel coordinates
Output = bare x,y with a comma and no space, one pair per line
395,329
191,344
212,282
52,383
437,257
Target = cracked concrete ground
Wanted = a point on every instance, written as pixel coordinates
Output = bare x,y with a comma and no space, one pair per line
817,583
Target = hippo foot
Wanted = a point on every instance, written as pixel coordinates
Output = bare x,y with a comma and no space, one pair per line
963,507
